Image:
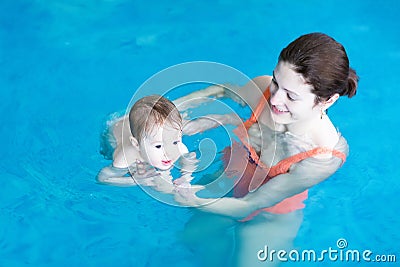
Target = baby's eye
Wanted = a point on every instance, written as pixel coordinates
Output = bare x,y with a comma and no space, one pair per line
158,146
175,142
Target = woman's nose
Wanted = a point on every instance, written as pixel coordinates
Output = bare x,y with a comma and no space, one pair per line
277,97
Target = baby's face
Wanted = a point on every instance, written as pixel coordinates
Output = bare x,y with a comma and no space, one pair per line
162,146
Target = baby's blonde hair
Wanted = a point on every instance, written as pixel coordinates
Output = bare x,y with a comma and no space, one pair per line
150,111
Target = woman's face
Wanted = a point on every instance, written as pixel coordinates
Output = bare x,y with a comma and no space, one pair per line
291,98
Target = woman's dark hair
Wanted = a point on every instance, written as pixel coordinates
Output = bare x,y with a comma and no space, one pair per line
323,63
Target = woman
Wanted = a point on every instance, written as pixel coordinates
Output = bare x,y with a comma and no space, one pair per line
290,144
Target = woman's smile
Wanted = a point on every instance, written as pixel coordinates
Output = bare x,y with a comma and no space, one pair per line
279,109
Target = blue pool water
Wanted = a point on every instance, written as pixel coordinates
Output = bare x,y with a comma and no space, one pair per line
66,65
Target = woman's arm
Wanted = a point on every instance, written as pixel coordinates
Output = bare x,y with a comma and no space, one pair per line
249,94
304,175
198,97
209,122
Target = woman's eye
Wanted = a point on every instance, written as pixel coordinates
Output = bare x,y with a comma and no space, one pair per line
290,97
175,142
158,146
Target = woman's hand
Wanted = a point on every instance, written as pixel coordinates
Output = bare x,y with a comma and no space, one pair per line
185,193
163,184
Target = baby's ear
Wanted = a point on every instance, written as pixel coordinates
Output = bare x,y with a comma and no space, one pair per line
134,141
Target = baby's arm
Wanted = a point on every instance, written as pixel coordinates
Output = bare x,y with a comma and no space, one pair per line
115,176
141,173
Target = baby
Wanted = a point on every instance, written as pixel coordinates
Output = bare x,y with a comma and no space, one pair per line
148,149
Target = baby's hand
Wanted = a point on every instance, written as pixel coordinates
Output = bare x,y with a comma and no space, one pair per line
144,170
144,174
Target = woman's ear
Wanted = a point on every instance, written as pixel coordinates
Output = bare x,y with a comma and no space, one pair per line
330,101
134,141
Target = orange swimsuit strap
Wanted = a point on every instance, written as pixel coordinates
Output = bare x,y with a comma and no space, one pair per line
260,106
284,165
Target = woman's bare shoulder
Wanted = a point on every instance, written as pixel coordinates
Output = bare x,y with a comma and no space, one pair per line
325,136
262,81
252,92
